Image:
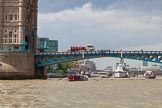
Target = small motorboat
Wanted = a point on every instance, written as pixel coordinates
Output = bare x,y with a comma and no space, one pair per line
78,78
150,75
73,75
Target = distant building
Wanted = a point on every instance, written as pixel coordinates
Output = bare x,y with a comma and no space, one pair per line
134,68
145,63
53,45
46,45
42,43
151,68
109,68
74,64
87,65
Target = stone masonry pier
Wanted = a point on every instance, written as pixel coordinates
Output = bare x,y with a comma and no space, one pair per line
17,65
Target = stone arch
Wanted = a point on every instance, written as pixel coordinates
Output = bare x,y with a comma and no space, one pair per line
6,68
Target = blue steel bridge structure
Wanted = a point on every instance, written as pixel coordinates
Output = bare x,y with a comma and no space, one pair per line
45,58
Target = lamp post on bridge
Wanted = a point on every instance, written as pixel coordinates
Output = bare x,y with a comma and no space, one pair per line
83,54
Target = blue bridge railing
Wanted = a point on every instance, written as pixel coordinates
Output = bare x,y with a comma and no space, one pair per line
15,50
43,59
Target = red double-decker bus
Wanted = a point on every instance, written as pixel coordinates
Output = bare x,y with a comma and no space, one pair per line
78,48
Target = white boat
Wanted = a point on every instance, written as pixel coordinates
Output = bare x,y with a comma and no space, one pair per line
121,69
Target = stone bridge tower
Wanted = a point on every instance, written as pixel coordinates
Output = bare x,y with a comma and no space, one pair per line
18,24
18,37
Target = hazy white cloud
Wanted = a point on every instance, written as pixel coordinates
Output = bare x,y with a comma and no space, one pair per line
122,26
111,18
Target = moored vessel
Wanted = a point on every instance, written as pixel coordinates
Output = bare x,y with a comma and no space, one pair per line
121,69
150,75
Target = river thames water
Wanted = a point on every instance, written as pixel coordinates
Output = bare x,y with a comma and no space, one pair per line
95,93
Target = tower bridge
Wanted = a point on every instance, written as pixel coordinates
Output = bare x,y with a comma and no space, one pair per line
18,38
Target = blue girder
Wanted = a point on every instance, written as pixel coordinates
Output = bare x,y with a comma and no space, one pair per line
43,59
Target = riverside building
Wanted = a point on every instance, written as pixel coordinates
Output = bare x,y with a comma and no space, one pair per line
47,45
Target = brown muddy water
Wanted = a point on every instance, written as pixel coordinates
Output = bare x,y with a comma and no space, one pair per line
100,93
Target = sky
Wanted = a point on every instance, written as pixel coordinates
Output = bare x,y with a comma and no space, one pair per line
108,24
